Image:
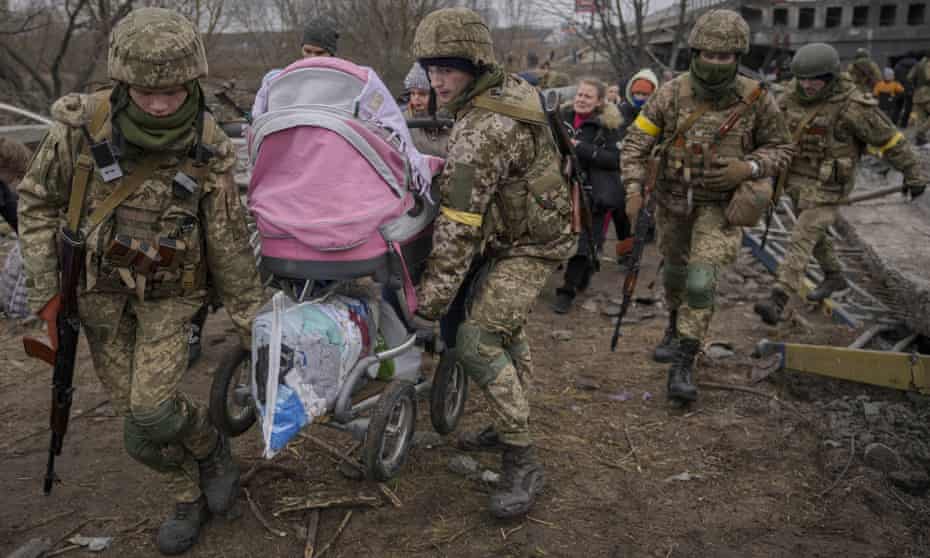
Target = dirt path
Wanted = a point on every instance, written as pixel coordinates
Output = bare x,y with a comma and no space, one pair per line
736,475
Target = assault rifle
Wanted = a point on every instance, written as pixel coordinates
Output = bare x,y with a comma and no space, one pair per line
571,169
64,327
430,123
645,220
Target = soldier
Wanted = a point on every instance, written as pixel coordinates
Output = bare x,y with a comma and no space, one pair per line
431,141
833,123
701,167
176,193
865,73
506,215
919,77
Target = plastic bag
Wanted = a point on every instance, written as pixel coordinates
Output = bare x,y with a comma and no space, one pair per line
13,285
301,355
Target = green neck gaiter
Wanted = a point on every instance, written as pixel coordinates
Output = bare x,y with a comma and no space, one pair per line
145,132
711,81
491,78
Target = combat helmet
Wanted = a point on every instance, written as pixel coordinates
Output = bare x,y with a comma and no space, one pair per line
454,33
814,60
720,31
157,48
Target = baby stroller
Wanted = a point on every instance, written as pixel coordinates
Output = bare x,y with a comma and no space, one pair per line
344,214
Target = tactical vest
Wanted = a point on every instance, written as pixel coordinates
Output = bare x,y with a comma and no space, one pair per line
821,156
701,146
536,203
152,243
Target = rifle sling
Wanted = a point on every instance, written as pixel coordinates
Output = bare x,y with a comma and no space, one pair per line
85,167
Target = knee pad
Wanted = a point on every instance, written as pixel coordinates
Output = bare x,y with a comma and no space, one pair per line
675,277
481,353
702,285
165,458
165,424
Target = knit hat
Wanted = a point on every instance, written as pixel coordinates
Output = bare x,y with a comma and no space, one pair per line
416,78
642,86
888,74
322,33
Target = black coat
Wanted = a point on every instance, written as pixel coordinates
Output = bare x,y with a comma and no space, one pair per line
598,150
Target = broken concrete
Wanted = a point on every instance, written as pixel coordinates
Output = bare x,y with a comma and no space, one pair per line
895,236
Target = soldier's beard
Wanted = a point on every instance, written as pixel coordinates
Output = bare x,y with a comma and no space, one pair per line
821,93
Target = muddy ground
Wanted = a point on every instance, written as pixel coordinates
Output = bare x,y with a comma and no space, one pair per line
738,474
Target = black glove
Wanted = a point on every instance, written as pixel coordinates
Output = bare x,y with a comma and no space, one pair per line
914,190
427,330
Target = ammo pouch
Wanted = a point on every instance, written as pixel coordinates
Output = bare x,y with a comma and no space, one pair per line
749,202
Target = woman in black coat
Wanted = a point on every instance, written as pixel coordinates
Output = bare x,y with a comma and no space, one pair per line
595,124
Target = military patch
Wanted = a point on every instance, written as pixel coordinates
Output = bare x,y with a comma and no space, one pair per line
461,183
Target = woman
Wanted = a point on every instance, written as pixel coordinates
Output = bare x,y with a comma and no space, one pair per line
595,124
429,141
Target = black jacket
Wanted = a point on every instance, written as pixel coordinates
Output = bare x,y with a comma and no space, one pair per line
598,152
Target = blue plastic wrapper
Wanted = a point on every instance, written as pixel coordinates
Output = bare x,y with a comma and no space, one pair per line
289,418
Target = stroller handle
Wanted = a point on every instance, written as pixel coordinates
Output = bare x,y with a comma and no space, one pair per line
343,410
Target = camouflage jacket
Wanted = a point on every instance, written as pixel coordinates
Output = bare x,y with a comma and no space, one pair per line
841,129
760,135
501,195
209,226
919,77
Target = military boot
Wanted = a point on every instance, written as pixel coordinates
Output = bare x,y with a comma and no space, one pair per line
219,477
665,350
563,301
680,382
521,479
486,440
771,310
831,283
179,532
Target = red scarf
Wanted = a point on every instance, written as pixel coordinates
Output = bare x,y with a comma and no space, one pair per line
580,119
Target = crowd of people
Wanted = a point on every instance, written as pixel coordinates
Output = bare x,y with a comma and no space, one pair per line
719,140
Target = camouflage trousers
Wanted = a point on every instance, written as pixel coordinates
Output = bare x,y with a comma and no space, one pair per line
808,237
696,248
139,351
921,113
499,308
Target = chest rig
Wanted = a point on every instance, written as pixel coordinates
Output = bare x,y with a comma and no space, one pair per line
822,155
709,137
140,217
534,204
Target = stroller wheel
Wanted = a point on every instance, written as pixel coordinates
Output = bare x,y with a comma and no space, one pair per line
448,394
231,408
390,431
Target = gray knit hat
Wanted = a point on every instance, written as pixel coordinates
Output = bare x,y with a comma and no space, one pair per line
416,78
322,32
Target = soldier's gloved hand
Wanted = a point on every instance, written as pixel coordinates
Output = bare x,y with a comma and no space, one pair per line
727,176
427,330
914,190
634,202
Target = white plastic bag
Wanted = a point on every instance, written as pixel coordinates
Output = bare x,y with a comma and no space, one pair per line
13,285
310,348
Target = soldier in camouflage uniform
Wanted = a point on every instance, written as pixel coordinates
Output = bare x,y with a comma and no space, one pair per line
833,123
179,195
505,212
701,168
919,77
864,72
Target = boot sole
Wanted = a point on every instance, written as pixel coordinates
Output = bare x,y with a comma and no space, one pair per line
683,397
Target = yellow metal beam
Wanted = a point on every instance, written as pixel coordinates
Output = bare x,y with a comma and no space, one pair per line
903,371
